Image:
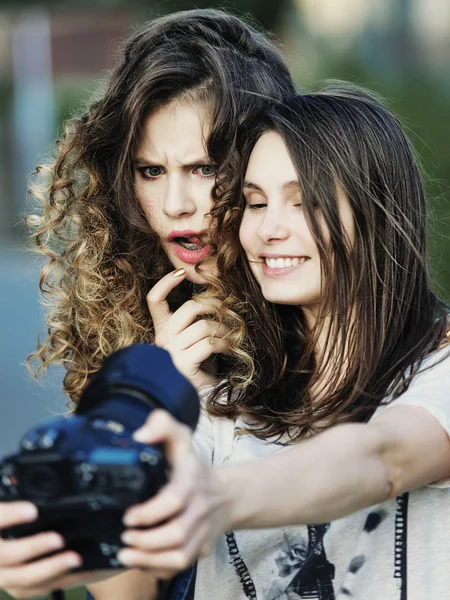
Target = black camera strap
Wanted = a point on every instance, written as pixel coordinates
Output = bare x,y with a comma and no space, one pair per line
57,595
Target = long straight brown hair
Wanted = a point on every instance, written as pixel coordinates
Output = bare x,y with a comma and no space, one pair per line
383,316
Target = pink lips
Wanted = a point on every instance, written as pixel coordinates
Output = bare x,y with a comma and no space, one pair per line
186,255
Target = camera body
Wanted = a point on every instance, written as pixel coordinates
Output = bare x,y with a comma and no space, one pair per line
83,471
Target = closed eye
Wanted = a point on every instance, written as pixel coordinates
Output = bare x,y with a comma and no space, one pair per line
255,207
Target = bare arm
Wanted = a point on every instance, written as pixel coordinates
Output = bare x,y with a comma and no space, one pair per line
132,585
340,471
336,473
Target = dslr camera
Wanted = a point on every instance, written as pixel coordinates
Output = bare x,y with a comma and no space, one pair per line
84,470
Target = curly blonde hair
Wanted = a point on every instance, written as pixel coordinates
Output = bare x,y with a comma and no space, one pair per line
102,256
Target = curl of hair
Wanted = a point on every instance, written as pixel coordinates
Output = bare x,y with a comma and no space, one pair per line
102,257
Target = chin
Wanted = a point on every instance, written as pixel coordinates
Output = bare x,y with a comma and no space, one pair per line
293,299
286,301
194,277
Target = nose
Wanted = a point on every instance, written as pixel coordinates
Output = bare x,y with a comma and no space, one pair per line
179,201
273,227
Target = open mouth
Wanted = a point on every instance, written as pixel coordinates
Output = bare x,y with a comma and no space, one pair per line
189,246
284,263
191,242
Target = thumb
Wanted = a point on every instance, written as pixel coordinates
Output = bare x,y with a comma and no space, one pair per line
162,428
155,429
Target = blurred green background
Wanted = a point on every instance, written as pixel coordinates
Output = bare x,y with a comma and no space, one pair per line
54,53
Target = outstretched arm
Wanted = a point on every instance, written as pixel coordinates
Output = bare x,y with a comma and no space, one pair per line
334,474
340,471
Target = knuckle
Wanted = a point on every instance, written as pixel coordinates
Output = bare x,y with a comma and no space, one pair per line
181,560
179,535
176,501
205,326
159,341
152,297
191,305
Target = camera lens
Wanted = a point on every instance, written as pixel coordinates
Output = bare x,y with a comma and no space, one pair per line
41,482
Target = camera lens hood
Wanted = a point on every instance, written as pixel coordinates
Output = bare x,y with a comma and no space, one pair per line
142,375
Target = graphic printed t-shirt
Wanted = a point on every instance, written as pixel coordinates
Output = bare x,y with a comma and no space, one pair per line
397,550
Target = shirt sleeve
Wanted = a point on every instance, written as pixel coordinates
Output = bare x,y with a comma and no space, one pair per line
430,390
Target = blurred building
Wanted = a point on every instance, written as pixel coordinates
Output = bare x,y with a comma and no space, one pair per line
49,65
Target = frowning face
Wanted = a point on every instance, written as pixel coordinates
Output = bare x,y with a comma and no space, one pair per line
174,179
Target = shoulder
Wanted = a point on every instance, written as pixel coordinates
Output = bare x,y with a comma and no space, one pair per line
434,368
428,389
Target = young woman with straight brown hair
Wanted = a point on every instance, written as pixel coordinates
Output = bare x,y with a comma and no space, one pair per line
331,450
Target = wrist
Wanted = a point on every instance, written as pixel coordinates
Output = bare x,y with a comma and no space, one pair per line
234,483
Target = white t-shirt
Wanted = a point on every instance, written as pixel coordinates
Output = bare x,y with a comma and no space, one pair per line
397,550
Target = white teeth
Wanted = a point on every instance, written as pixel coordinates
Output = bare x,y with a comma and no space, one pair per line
284,263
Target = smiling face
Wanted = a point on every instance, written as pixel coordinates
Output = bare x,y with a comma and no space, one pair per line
279,245
174,179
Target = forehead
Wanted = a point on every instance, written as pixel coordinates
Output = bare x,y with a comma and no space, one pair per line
182,126
270,163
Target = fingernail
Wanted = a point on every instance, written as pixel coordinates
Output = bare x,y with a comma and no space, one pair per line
127,538
29,511
74,560
55,541
130,520
179,272
141,434
125,557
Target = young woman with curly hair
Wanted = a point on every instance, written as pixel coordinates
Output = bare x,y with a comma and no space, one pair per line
126,201
333,463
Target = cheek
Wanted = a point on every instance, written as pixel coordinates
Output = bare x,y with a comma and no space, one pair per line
150,204
205,201
243,236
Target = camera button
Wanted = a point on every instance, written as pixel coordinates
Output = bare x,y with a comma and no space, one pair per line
48,438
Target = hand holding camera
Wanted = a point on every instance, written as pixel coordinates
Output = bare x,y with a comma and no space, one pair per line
82,472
